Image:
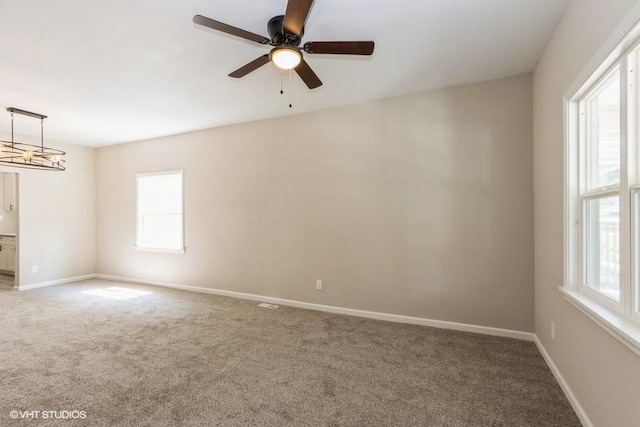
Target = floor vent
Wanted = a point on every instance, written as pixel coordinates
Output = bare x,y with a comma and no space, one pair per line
266,305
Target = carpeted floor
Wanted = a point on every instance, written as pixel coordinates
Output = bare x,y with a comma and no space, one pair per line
171,358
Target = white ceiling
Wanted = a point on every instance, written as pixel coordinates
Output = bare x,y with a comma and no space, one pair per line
107,72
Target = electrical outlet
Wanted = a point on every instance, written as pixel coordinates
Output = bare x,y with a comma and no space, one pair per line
553,330
319,285
34,269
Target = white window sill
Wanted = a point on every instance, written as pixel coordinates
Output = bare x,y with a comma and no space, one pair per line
166,251
622,328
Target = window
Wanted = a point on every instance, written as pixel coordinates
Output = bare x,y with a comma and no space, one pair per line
599,139
602,221
160,211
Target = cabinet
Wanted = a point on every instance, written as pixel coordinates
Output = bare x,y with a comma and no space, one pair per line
9,192
7,253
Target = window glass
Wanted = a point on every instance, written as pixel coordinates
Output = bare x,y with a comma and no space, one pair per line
602,245
603,130
160,216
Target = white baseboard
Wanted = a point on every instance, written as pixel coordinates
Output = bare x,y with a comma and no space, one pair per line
54,282
527,336
577,407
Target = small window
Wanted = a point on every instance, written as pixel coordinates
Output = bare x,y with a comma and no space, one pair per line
160,223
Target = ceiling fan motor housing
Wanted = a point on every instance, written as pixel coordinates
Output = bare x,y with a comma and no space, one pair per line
278,36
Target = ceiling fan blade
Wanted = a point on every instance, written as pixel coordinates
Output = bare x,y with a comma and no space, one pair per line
340,48
251,66
307,75
296,16
226,28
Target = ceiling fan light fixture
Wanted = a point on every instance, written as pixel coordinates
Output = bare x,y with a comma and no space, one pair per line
285,58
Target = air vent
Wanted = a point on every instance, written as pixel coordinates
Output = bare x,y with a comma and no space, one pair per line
266,305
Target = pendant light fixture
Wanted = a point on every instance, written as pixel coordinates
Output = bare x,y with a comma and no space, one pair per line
23,155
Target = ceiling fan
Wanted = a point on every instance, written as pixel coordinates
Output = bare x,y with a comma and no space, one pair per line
286,33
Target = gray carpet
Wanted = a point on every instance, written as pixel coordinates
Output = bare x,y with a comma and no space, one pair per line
172,358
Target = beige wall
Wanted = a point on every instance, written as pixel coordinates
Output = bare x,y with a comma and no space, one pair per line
419,205
57,218
603,374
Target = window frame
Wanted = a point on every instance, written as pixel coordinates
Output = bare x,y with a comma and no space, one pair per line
588,193
182,248
634,293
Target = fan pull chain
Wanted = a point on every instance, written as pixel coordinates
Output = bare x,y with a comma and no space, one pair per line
290,90
281,91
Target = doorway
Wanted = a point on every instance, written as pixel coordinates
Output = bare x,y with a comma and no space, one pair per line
8,230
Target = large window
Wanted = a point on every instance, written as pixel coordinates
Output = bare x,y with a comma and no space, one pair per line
602,268
160,211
